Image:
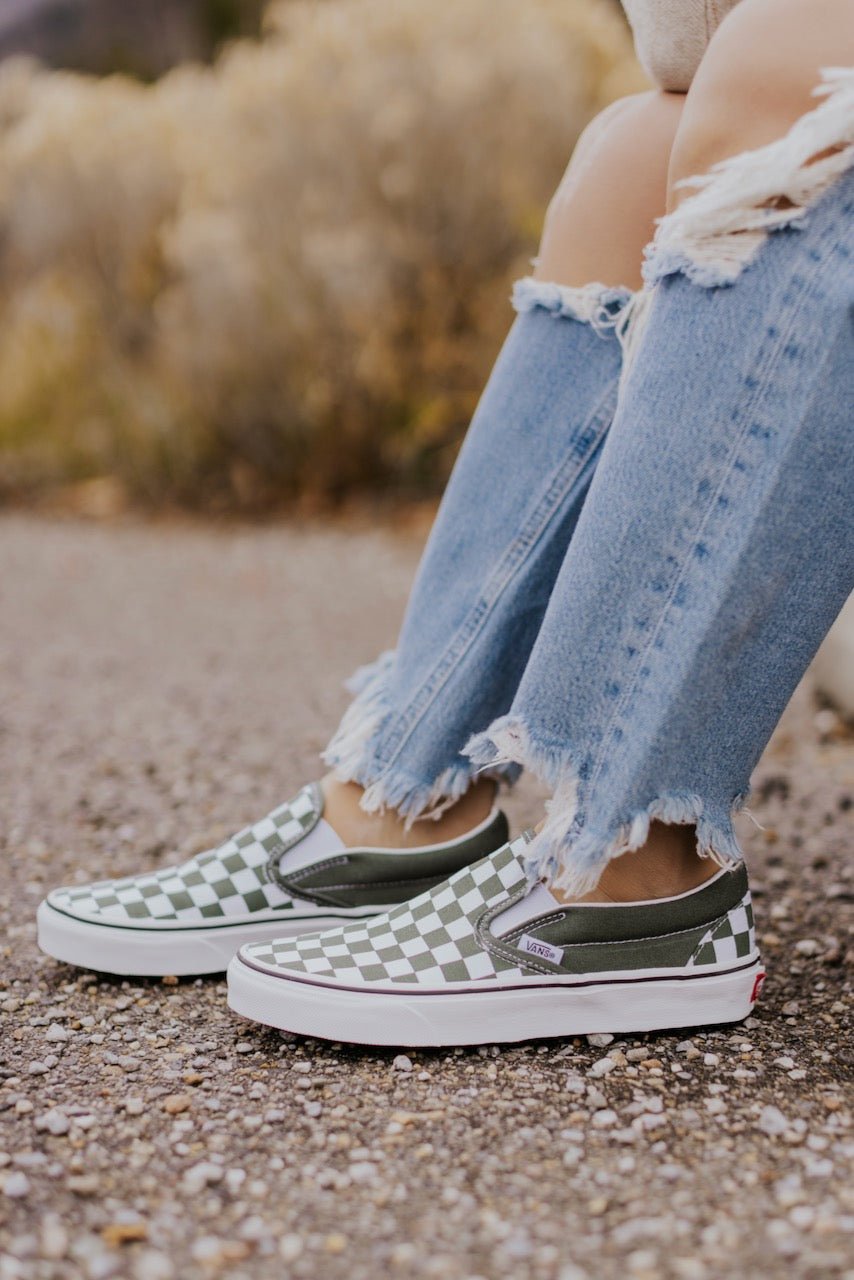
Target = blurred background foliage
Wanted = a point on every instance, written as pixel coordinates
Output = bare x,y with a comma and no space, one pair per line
280,276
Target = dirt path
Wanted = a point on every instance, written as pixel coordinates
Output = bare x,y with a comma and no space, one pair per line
161,686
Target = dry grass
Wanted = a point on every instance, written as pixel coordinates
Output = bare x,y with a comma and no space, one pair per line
284,276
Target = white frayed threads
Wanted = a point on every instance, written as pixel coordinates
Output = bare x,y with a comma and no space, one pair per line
715,234
595,304
573,863
631,327
347,750
569,851
504,742
415,802
350,755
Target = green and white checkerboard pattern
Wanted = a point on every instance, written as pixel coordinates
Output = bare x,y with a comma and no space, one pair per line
230,881
431,940
732,938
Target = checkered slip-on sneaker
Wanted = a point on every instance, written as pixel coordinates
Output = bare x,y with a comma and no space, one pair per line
483,959
287,874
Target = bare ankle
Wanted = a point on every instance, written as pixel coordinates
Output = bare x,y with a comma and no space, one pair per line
343,812
668,864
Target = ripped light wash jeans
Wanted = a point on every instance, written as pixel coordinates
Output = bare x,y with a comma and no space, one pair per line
633,566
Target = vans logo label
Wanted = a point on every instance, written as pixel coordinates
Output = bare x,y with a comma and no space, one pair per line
543,950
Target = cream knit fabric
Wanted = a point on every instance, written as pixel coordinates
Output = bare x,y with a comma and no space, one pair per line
671,36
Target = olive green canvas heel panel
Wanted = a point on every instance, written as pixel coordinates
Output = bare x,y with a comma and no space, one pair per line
589,937
378,877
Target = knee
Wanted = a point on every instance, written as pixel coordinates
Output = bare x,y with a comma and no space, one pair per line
604,211
756,79
629,141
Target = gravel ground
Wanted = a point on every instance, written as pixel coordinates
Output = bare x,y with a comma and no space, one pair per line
163,685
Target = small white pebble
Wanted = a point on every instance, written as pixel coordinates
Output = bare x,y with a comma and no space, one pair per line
54,1237
207,1249
253,1229
402,1063
603,1119
599,1039
290,1247
54,1121
199,1176
802,1216
152,1265
772,1121
16,1186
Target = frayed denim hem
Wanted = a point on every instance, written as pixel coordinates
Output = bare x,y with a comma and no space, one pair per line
598,305
349,746
572,848
352,755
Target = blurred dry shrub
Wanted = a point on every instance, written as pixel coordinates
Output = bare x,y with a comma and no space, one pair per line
282,277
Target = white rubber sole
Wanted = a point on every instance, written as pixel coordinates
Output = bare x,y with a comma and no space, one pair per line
152,953
497,1016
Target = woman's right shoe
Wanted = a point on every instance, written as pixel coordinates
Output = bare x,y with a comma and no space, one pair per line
285,875
486,958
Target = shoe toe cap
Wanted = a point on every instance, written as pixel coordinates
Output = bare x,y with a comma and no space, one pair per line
80,901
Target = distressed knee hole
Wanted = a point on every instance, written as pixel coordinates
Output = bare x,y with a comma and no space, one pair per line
718,229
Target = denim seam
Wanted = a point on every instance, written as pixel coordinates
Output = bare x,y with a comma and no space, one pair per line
500,579
726,473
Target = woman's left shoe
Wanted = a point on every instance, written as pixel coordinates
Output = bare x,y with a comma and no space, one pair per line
282,876
485,959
